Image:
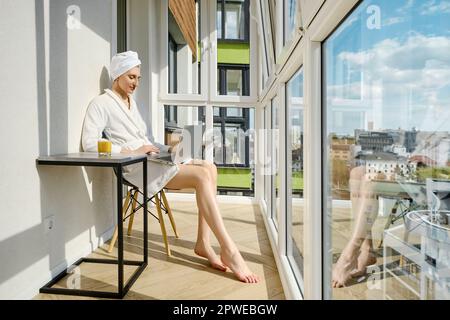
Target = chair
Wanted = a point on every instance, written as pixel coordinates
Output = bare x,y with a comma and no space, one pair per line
161,204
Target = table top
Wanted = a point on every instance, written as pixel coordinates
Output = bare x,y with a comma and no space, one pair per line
90,159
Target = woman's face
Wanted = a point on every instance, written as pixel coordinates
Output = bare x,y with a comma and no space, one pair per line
129,81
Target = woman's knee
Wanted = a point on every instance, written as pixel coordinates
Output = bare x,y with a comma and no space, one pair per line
202,176
211,168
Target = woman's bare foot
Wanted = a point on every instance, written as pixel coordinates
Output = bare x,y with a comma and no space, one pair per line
236,263
366,258
206,251
342,271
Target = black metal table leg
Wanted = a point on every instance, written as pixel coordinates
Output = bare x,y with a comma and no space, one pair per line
120,230
145,215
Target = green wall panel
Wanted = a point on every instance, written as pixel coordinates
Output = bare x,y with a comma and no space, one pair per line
234,53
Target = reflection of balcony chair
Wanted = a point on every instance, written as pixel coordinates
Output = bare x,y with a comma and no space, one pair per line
161,203
400,208
438,198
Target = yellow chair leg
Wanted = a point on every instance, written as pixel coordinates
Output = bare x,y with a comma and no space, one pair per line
169,213
161,224
133,207
116,230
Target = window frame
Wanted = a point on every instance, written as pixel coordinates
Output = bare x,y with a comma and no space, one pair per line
246,10
245,73
164,96
244,124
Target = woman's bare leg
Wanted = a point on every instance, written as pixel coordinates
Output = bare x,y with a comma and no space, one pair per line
367,257
198,177
203,245
365,204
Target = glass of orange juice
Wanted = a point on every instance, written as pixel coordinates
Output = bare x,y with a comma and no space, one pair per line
104,148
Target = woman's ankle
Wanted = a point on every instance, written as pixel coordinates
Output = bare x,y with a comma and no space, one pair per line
202,242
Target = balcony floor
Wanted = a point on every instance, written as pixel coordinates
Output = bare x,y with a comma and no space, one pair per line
185,275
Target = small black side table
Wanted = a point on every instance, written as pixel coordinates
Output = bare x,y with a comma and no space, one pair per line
117,162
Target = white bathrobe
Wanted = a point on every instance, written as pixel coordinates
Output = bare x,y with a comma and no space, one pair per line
125,128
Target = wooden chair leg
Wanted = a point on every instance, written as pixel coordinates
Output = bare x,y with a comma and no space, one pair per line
161,223
133,207
169,213
116,230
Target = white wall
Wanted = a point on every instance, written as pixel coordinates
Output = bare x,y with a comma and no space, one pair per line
50,74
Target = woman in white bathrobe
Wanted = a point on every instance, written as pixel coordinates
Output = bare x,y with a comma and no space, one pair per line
115,114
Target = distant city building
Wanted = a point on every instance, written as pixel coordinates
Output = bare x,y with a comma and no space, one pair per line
410,140
341,152
383,141
422,160
373,141
397,149
387,165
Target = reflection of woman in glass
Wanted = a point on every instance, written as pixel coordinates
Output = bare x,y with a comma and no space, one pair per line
358,253
115,114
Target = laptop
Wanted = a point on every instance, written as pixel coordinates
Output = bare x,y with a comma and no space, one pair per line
189,148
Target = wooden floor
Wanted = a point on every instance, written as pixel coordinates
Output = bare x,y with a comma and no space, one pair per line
185,275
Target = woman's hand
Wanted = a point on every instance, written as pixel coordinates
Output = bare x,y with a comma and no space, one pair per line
173,149
145,149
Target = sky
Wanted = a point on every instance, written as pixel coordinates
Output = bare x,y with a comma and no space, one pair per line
389,64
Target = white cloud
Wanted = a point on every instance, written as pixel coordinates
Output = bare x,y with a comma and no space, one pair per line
413,74
409,4
431,7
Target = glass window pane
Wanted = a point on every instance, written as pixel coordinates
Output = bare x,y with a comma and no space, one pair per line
218,145
276,178
234,150
234,144
234,21
387,84
234,82
294,95
267,161
289,19
219,20
178,118
234,112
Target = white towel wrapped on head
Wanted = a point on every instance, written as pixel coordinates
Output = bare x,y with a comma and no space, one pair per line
122,62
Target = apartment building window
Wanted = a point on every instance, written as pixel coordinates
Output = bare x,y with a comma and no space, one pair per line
233,80
387,68
232,20
178,118
233,48
233,124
